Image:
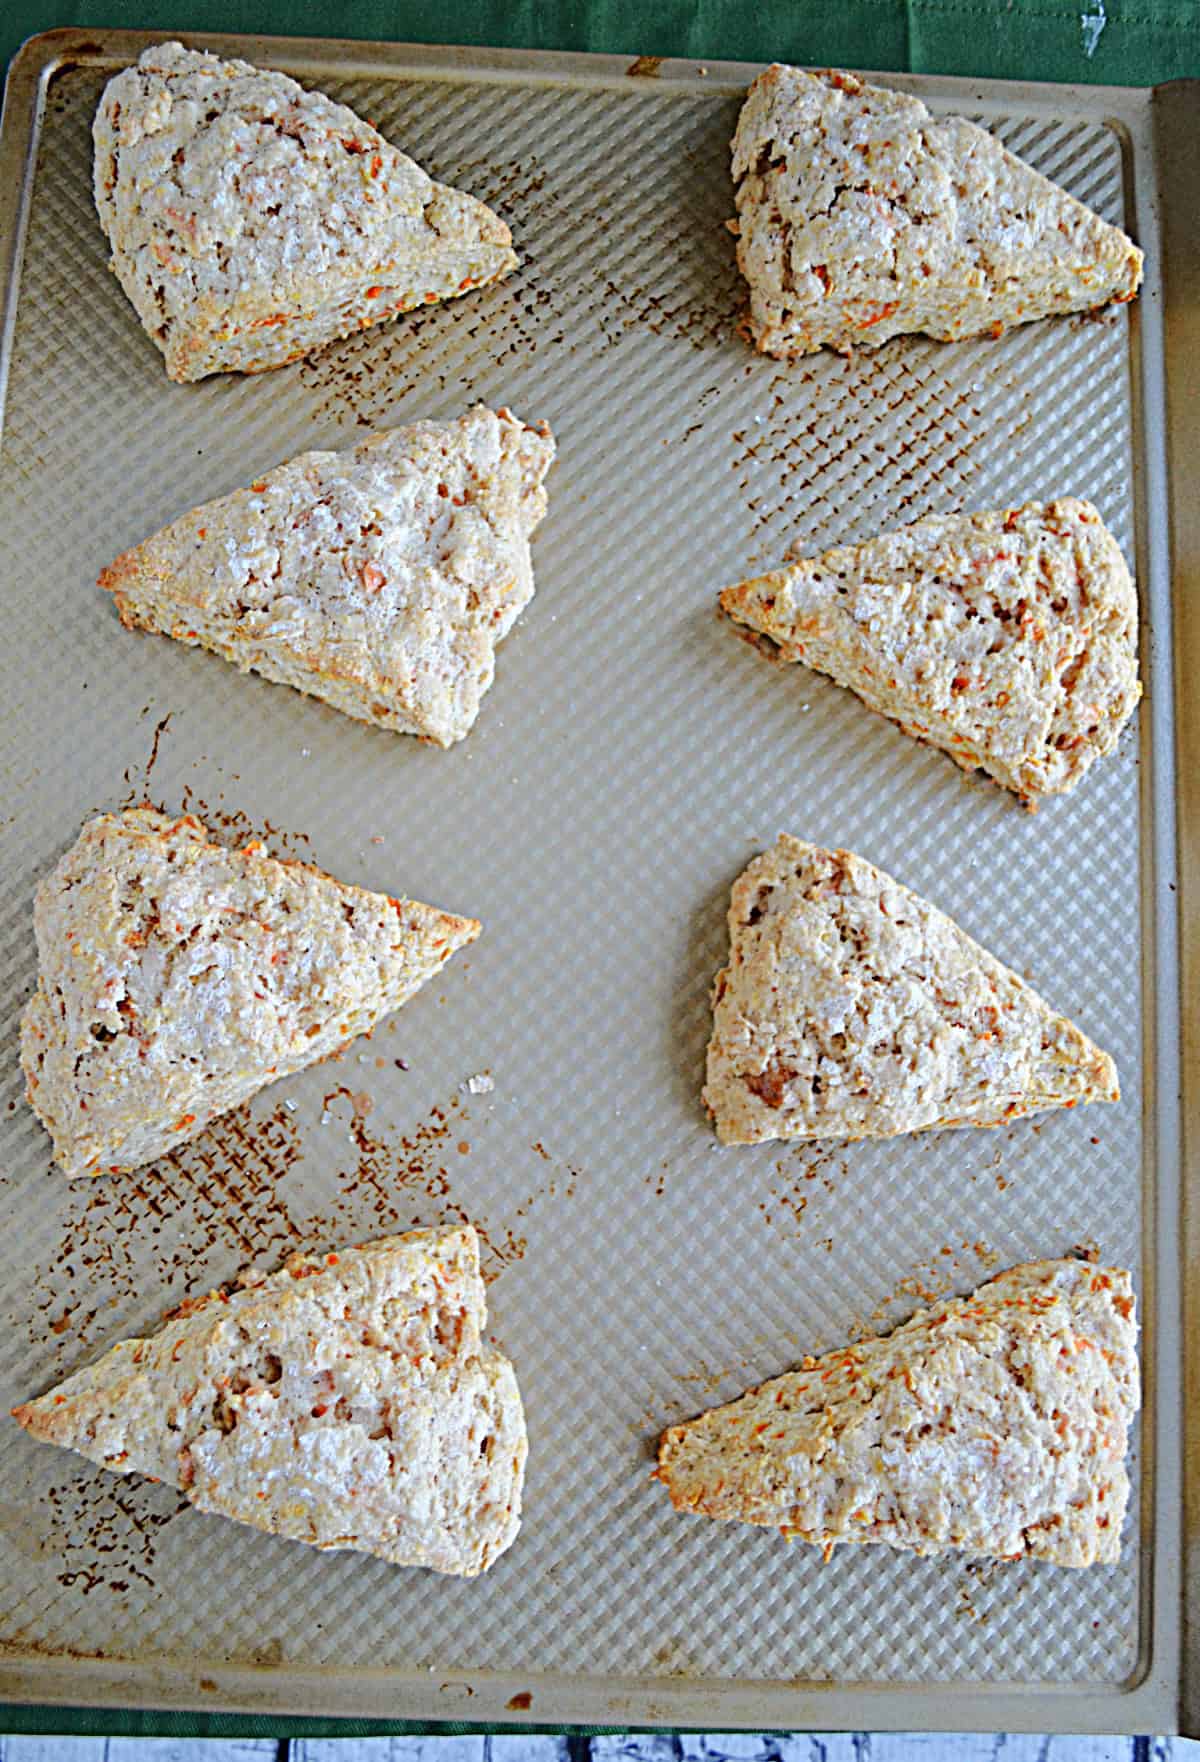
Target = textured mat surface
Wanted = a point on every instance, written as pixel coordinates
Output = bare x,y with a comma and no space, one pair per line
630,758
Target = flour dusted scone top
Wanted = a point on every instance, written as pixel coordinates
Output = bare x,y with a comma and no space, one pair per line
862,217
346,1401
176,978
380,578
1007,639
852,1008
251,221
991,1425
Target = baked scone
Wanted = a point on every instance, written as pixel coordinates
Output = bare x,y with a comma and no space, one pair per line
991,1425
862,217
176,978
380,578
346,1401
1007,639
851,1008
252,221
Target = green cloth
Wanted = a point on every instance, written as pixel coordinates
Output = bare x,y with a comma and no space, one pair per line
1132,42
1099,41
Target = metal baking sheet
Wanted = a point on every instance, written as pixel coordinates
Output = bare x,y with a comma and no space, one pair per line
630,758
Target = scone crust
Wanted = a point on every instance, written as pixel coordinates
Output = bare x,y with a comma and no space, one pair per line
177,977
1008,639
252,221
379,579
993,1425
861,217
852,1008
346,1401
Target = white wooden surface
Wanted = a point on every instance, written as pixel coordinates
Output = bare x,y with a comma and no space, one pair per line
714,1747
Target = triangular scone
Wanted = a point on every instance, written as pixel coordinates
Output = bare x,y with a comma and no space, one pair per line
1009,639
991,1425
252,221
345,1401
851,1008
380,578
862,217
177,977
